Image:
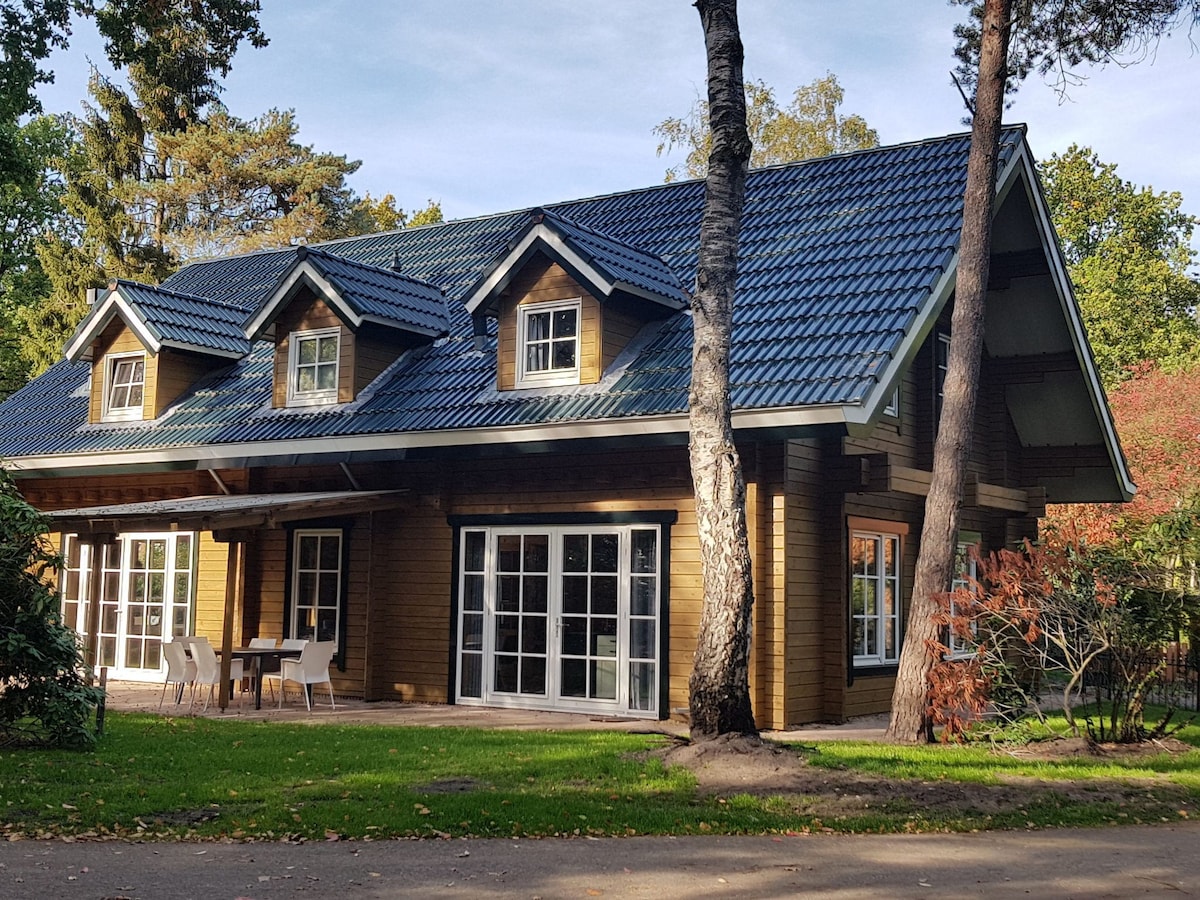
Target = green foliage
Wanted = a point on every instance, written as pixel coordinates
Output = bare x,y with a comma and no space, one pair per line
1128,250
808,127
226,185
43,696
369,216
30,207
29,31
175,49
1054,37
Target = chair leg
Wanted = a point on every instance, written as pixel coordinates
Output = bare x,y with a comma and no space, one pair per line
307,688
163,695
331,703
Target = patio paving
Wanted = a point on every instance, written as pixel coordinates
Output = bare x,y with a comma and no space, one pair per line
128,696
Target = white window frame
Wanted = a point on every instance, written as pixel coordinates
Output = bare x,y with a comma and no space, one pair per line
966,570
551,376
941,365
296,605
634,673
893,407
880,534
320,396
127,412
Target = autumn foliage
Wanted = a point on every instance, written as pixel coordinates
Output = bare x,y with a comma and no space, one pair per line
1157,415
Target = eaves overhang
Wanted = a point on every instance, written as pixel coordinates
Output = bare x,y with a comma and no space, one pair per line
220,511
789,421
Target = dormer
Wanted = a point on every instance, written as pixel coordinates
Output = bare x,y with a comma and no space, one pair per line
148,345
567,300
337,325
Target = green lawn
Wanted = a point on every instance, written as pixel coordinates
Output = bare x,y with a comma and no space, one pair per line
203,778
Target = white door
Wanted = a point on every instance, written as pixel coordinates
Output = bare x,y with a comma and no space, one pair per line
560,618
146,597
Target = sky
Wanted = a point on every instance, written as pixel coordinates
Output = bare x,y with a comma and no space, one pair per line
493,105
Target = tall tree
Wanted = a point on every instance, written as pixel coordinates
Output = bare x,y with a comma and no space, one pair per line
147,201
720,680
1129,252
183,44
29,206
1004,41
939,532
808,127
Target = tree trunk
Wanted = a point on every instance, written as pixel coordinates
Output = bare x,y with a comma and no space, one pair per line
720,682
939,534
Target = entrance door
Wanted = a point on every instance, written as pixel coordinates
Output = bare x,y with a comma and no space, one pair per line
560,618
146,597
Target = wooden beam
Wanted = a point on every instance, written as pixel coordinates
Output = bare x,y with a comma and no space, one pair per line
233,588
993,496
909,481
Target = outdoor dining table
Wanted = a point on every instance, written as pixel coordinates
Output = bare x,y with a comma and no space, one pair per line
257,656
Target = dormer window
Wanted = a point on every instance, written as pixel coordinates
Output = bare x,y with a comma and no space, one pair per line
313,367
549,336
125,383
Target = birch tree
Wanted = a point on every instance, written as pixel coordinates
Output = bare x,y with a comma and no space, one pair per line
720,681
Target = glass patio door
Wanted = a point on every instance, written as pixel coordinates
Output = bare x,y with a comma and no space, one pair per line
560,618
145,598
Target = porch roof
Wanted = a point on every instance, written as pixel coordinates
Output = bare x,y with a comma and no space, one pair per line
220,511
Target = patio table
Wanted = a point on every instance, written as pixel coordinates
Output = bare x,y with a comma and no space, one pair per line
257,657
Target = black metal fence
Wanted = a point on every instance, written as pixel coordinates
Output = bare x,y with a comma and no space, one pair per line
1173,675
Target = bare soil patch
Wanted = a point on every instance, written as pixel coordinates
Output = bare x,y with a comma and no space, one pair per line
738,765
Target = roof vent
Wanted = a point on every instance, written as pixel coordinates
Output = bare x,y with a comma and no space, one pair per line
396,267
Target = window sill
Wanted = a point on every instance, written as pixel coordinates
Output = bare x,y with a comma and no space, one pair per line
874,670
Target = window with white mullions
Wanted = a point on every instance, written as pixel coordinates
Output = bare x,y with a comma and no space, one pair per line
522,613
314,366
549,342
875,597
316,585
125,391
561,617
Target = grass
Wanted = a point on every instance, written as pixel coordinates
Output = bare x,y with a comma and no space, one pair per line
203,779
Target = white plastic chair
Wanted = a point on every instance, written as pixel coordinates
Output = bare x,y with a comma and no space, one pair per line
262,643
311,668
181,671
208,670
285,644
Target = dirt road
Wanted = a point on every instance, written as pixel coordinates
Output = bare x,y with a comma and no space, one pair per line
1114,862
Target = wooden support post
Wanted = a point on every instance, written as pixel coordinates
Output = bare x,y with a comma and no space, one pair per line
233,589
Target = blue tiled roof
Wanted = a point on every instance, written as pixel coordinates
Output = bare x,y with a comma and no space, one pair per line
838,259
183,319
382,294
616,261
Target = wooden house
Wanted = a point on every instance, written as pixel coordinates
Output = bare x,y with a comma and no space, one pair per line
460,450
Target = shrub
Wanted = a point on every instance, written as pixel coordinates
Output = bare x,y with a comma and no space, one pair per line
1063,616
44,698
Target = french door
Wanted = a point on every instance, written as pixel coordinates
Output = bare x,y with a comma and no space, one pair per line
560,618
146,596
